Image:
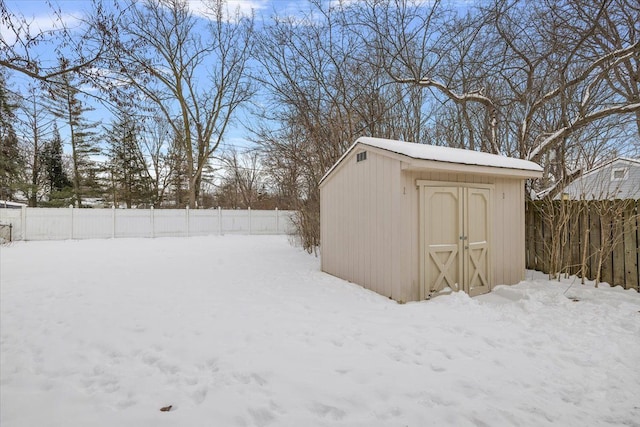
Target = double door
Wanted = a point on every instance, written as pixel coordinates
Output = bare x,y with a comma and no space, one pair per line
455,228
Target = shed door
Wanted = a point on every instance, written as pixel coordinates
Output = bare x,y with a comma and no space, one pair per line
476,227
443,214
456,226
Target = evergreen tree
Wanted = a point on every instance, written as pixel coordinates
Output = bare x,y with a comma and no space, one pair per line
130,180
10,159
71,111
58,183
179,179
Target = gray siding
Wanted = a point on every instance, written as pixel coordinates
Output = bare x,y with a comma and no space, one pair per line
599,184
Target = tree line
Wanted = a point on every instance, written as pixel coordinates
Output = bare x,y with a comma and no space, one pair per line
552,82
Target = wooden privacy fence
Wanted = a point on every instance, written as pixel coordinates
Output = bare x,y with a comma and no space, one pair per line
71,223
595,239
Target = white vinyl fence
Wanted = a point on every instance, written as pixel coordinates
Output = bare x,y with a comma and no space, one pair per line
70,223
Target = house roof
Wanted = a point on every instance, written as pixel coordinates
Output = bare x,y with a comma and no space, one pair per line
440,154
599,184
8,204
586,173
628,160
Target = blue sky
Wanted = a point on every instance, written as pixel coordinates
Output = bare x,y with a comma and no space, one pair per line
39,14
41,17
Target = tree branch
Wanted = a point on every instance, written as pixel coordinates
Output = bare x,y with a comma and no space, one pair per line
578,123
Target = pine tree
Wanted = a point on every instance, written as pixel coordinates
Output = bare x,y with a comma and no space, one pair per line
130,180
10,159
71,111
179,179
58,183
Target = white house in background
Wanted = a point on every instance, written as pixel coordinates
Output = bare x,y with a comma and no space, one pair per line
411,221
5,204
617,179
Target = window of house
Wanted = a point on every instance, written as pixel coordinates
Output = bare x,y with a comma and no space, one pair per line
361,156
619,174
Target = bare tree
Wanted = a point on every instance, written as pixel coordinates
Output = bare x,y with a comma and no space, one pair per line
427,45
157,146
38,127
326,87
562,77
244,177
543,72
178,179
191,69
69,45
618,28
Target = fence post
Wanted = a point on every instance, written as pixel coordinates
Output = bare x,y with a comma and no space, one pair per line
277,222
187,212
113,221
631,244
249,209
71,212
23,219
153,223
219,221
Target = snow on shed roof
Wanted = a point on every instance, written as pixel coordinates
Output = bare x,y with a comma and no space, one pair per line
441,154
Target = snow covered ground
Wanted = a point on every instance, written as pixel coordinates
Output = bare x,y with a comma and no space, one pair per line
246,331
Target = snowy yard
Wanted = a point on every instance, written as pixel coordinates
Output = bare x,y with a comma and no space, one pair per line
246,331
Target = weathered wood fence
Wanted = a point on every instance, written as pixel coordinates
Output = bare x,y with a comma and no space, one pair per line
596,239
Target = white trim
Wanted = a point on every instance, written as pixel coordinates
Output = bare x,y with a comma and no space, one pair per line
435,165
431,183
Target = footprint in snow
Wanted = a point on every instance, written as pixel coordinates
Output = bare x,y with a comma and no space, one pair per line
327,411
438,368
199,395
261,416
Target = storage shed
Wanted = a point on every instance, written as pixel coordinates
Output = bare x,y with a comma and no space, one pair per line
411,221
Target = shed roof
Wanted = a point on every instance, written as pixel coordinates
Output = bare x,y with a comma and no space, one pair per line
441,154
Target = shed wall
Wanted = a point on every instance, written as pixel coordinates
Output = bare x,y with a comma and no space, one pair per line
360,225
509,232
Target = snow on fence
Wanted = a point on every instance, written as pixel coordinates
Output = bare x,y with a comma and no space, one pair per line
70,223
